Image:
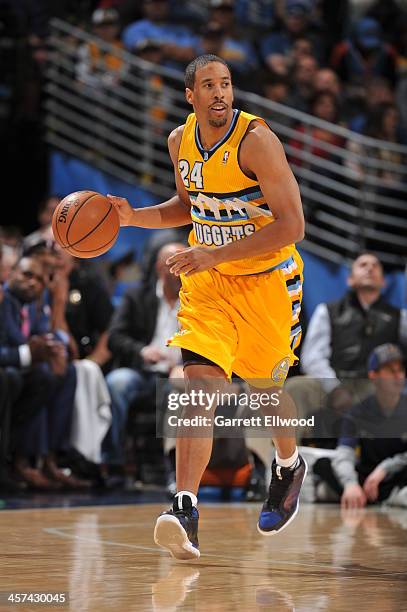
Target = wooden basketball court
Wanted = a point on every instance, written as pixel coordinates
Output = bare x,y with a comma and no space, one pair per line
105,559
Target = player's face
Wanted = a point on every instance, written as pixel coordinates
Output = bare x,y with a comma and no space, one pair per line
367,273
212,96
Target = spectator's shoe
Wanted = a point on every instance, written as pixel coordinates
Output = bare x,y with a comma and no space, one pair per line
281,505
176,529
35,479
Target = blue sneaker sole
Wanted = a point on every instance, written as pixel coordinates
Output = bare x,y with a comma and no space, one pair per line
170,535
276,531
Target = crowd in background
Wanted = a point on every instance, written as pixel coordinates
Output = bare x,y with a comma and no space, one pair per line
79,406
59,333
296,52
335,61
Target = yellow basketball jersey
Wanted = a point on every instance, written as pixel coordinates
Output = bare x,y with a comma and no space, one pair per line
227,205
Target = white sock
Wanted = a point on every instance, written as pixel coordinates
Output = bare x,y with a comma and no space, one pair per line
180,494
290,462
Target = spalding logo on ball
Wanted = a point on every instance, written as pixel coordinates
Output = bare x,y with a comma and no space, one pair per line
86,224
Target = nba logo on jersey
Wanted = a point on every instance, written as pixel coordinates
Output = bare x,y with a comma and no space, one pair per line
225,157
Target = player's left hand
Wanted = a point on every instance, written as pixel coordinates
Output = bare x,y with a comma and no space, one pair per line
192,260
371,484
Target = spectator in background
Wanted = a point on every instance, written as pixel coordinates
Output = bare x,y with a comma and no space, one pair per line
302,47
323,106
189,12
41,416
340,337
212,39
129,11
370,464
326,80
88,308
11,246
177,42
235,50
382,123
388,14
96,66
140,327
276,88
365,54
44,232
276,48
153,99
302,83
255,14
370,96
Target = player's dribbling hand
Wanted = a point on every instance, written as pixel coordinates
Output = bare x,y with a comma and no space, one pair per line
192,260
124,209
353,497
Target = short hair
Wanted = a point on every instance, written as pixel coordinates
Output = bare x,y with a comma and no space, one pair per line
366,252
200,62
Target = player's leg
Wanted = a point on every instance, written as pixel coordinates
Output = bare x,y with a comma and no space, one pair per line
288,470
269,332
193,453
177,528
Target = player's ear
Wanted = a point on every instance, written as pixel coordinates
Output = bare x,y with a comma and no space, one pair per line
189,95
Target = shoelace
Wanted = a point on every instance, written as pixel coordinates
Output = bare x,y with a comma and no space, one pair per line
277,490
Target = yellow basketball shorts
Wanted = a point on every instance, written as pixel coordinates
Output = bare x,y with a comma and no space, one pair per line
248,325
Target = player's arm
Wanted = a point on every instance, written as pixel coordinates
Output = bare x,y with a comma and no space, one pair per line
263,156
171,213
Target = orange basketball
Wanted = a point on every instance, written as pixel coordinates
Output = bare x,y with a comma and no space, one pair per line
86,224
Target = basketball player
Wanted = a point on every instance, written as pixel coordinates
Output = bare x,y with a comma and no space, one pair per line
241,279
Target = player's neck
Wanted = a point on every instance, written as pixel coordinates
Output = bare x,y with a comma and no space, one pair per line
210,135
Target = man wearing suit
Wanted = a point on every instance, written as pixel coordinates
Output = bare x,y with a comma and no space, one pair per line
138,333
37,360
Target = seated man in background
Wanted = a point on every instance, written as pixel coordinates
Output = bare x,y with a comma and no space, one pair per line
79,299
41,416
138,335
378,428
340,337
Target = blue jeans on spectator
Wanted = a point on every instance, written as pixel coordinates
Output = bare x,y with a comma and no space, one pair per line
126,386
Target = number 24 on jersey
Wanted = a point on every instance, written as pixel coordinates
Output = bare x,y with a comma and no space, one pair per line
191,176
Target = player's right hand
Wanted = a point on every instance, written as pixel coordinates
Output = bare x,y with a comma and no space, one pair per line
125,211
353,497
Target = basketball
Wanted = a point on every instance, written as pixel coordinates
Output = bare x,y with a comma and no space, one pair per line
86,224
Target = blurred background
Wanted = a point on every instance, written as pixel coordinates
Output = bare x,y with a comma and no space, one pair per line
90,89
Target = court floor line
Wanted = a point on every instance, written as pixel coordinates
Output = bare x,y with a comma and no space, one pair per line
267,564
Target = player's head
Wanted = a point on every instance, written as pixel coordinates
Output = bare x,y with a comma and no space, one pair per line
208,84
366,273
